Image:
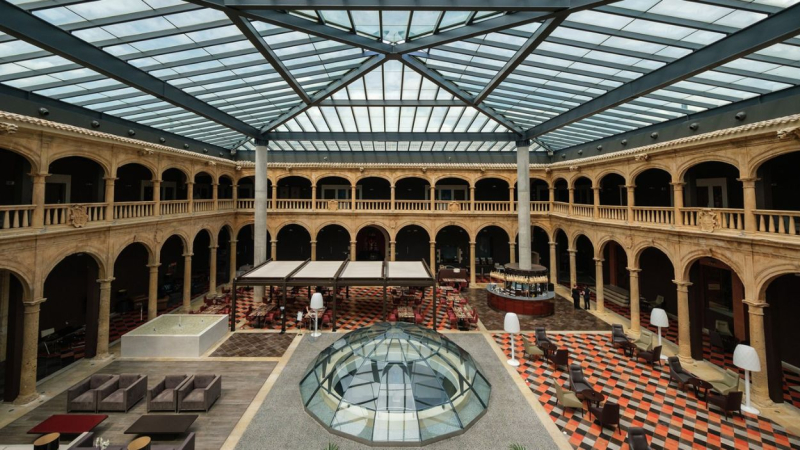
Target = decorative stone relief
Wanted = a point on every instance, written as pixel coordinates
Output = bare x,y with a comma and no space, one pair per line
708,220
454,207
642,157
574,169
78,216
7,128
211,163
789,133
333,205
146,152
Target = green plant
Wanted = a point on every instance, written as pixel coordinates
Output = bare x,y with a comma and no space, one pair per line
516,447
331,446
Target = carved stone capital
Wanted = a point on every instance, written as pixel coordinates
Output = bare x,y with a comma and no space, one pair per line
641,157
786,133
146,152
7,128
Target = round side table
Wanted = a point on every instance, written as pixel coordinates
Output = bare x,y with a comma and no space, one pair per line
142,443
47,442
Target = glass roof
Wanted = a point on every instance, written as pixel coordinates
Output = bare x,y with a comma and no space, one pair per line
395,383
443,71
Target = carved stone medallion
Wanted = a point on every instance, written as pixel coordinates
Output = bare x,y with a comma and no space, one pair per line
333,205
454,207
78,216
708,220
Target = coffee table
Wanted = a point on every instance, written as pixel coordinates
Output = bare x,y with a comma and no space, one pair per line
701,388
591,396
162,424
627,348
68,424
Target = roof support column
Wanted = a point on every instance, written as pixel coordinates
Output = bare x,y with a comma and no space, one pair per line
524,203
260,226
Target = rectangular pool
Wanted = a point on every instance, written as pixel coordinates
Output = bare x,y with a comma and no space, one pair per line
175,336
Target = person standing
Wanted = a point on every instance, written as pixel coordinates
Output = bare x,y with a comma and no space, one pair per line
576,297
586,297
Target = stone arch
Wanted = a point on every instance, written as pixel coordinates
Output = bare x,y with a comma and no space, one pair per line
293,174
600,246
140,161
765,278
557,178
239,226
225,175
24,280
96,254
766,156
645,167
683,168
573,240
390,231
371,175
691,257
211,234
640,247
345,175
152,255
30,155
277,229
440,177
333,222
474,234
410,175
180,168
603,173
409,223
577,176
499,176
81,154
444,225
181,235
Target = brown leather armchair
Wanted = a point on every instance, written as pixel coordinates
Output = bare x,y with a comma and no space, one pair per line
541,335
608,415
728,403
560,358
676,372
637,439
618,335
651,356
577,381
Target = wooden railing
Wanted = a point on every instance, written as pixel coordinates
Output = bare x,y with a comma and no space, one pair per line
583,210
373,205
726,219
540,207
74,213
613,212
16,216
203,205
561,207
778,222
493,206
224,204
656,215
133,210
171,207
412,205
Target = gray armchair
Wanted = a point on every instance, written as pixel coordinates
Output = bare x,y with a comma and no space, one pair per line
84,395
130,388
163,396
199,392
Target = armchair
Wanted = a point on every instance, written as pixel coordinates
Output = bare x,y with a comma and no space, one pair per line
618,335
199,392
677,373
577,381
728,383
560,358
645,341
541,335
608,415
637,439
567,399
162,397
728,403
531,349
83,396
652,356
130,388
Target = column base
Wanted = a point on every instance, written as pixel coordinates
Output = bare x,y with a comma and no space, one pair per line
686,360
27,399
103,357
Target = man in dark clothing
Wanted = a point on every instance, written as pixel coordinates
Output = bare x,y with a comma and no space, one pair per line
586,297
576,297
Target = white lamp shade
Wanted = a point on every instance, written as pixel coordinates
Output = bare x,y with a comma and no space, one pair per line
511,323
658,318
746,357
316,301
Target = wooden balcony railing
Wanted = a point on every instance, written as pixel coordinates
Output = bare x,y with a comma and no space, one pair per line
613,212
778,222
712,218
133,210
583,210
16,216
171,207
74,213
654,215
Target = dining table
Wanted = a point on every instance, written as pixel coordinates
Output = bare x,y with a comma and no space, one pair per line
405,313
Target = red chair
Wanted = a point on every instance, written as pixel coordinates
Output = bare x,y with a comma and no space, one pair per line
208,301
417,318
392,316
474,319
462,301
453,320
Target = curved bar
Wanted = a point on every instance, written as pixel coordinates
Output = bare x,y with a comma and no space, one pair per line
540,306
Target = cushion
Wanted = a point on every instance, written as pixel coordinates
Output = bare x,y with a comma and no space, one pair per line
95,381
173,381
203,380
167,395
115,397
83,402
731,378
127,379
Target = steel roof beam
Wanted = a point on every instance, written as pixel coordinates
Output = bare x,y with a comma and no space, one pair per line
388,136
402,5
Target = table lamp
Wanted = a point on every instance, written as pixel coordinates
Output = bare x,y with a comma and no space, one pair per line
316,305
658,318
511,325
746,357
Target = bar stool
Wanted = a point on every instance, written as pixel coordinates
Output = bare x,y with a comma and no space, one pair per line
47,442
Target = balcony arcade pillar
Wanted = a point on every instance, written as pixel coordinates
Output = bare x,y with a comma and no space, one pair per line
472,263
758,341
212,268
596,202
109,198
749,190
553,264
635,316
103,318
274,249
573,273
433,257
677,200
511,199
523,205
599,286
392,250
392,198
571,199
30,352
313,197
260,212
152,293
274,197
684,328
353,250
313,250
187,282
190,196
156,197
232,263
512,257
552,198
472,198
353,197
433,197
39,180
235,195
631,190
215,196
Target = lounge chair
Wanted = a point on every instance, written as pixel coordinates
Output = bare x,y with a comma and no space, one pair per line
645,341
728,403
162,396
728,383
199,392
618,335
541,335
531,350
677,373
637,439
652,356
84,395
130,388
577,381
567,399
608,415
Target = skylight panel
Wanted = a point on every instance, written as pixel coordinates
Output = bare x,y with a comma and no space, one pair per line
423,22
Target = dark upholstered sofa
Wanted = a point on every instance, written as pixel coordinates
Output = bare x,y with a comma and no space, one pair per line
130,388
199,392
163,396
85,395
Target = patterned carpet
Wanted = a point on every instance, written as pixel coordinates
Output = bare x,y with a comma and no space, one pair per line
671,418
253,345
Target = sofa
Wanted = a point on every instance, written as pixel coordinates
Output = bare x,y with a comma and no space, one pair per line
87,441
163,396
727,384
130,388
199,392
84,395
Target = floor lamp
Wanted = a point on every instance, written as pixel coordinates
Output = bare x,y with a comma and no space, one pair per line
658,318
316,304
511,326
746,357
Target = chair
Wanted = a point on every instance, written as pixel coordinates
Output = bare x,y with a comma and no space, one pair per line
417,317
161,397
451,316
652,356
541,335
608,415
658,301
560,358
728,403
199,392
728,383
567,399
637,439
130,389
677,373
645,341
532,350
392,316
84,395
577,381
718,340
474,319
723,328
618,335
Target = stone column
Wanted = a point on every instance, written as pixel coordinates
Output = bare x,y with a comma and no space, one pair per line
573,272
749,187
313,197
260,212
274,249
392,199
212,268
758,341
511,198
635,316
313,250
523,205
353,250
596,212
103,318
553,263
472,263
433,257
232,263
684,323
433,197
472,198
599,285
392,250
631,189
552,197
512,257
152,296
677,200
5,298
235,195
187,282
353,197
39,180
571,199
30,346
190,196
274,197
156,197
215,196
109,198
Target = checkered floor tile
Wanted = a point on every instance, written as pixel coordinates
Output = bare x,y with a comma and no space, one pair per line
254,345
671,418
